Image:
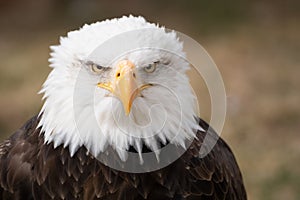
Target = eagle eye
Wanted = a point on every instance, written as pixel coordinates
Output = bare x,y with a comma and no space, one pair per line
151,67
96,68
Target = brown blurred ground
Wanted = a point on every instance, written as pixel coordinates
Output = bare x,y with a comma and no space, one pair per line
256,45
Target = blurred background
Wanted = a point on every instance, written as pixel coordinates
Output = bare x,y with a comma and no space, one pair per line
255,44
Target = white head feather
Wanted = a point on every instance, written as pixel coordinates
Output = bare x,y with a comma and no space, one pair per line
76,112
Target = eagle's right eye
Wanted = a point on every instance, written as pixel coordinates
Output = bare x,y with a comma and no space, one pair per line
96,68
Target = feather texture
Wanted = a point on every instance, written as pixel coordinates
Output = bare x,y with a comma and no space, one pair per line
30,169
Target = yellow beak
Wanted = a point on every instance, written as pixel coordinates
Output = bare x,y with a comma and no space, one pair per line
124,85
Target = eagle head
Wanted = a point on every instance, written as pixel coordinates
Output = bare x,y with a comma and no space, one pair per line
118,83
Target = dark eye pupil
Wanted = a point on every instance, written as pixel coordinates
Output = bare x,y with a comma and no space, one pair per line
99,67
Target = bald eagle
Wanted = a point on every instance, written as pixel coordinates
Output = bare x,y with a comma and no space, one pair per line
106,103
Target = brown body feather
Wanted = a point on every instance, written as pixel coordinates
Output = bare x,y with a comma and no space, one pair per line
30,169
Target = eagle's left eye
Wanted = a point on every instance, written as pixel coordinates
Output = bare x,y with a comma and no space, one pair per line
96,68
151,67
